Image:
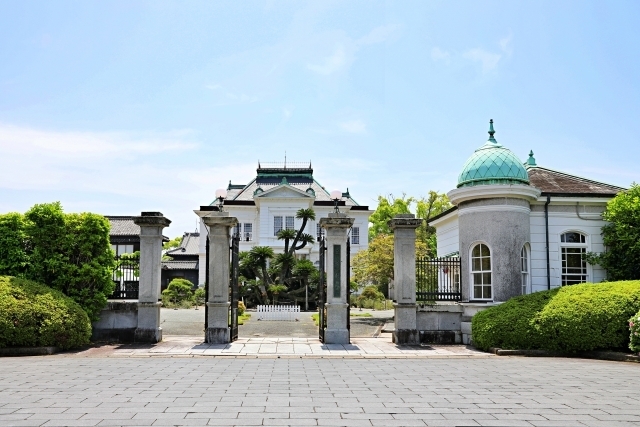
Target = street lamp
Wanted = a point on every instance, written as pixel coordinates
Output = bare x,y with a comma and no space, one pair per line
336,195
221,194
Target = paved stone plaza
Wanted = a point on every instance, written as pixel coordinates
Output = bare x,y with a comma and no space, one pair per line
69,390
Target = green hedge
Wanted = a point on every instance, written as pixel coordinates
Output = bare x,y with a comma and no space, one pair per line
33,315
569,319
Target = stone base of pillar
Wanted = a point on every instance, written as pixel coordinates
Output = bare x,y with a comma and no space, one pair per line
217,335
336,331
218,322
406,328
152,336
406,337
148,329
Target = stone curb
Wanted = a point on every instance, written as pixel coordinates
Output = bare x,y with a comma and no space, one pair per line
27,351
601,355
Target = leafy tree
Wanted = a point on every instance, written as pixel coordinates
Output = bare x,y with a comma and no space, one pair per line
375,265
434,204
172,244
14,260
388,207
68,252
621,236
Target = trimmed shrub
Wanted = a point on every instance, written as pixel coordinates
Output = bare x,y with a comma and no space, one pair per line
241,308
569,319
33,315
178,293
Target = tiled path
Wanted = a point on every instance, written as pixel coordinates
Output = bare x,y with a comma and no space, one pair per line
240,391
187,346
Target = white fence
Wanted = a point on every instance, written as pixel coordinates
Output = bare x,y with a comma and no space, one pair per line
289,313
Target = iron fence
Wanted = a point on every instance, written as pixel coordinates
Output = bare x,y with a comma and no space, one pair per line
437,279
126,277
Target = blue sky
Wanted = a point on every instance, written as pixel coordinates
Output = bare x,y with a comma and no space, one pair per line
119,107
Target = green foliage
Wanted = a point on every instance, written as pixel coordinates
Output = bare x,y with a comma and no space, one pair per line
34,315
371,292
172,244
621,237
199,296
634,333
14,260
177,293
573,318
68,252
241,308
388,207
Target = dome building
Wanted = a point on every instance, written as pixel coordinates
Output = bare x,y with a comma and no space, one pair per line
519,228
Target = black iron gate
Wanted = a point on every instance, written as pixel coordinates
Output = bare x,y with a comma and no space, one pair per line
438,279
322,293
234,288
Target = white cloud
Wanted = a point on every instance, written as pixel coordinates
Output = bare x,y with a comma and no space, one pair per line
286,113
378,35
354,126
438,54
231,97
488,60
332,63
505,45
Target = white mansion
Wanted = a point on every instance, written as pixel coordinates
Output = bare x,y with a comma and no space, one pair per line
269,204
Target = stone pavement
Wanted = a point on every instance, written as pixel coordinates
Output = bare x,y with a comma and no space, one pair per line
190,346
63,390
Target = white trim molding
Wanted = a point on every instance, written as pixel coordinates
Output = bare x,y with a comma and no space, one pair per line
494,208
464,194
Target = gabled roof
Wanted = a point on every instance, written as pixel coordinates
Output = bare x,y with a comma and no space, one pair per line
269,177
123,226
188,245
179,265
552,182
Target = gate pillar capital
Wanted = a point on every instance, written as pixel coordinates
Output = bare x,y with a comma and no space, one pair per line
404,278
151,225
218,226
337,226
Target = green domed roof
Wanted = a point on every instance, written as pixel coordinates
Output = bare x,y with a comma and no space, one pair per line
492,164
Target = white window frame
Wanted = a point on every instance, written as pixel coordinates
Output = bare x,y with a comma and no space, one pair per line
122,248
290,222
277,227
565,276
525,268
247,236
355,235
472,273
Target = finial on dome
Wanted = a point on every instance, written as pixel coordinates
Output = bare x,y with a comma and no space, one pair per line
491,131
531,161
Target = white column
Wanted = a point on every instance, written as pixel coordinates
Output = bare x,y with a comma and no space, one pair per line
404,278
151,225
219,225
336,225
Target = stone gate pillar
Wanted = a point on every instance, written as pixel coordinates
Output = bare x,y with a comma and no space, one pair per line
404,277
151,225
337,226
219,224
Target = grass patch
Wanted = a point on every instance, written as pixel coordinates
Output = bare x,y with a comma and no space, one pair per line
243,318
361,314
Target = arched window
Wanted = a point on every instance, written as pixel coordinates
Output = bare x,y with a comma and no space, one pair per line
573,247
481,272
524,268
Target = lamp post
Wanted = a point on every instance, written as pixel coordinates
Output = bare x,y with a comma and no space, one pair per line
221,194
336,195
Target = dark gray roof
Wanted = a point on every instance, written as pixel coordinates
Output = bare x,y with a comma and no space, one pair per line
123,226
188,245
552,182
180,265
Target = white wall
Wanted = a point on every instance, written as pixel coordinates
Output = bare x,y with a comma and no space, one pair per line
559,223
447,235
